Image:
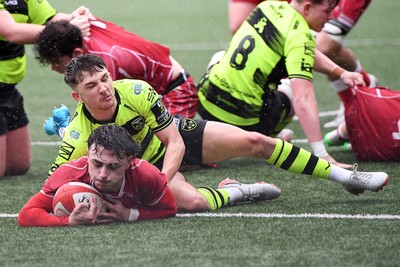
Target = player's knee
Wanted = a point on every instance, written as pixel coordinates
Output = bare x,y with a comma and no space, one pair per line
258,144
196,203
336,30
18,170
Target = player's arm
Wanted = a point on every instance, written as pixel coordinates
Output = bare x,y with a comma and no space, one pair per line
175,149
18,33
37,212
326,66
117,212
306,109
160,121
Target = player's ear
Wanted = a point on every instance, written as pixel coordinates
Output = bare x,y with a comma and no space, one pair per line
306,8
77,52
76,96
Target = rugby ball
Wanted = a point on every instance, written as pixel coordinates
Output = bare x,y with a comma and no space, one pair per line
71,194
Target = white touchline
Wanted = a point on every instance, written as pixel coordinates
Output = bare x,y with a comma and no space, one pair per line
274,215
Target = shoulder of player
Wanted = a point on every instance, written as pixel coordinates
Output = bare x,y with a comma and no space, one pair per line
144,170
143,93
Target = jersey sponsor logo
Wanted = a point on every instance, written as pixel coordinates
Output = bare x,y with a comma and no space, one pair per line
137,123
307,67
188,125
137,88
74,134
309,49
54,167
160,112
66,150
11,3
16,7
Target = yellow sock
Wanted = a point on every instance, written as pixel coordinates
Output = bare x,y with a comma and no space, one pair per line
217,198
297,160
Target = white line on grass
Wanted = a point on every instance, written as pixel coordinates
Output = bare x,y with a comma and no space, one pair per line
274,215
296,216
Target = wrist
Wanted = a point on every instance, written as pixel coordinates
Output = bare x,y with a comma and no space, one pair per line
318,149
337,72
133,215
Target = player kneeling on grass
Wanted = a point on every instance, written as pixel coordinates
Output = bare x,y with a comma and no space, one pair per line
372,123
133,189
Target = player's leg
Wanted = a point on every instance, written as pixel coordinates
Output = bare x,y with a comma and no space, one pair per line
223,141
15,142
18,151
190,199
3,154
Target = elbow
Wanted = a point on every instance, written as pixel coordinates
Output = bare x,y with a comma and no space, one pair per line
22,221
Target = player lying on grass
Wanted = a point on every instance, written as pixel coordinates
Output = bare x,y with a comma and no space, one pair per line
372,123
133,188
126,54
169,142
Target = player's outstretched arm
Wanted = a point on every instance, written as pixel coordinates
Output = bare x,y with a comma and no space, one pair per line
37,212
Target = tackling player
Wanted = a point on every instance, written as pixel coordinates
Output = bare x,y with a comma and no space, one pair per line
127,55
273,43
169,142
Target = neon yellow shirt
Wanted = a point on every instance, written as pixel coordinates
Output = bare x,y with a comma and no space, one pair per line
12,56
139,110
273,43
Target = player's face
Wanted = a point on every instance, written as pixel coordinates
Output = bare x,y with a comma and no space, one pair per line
97,92
319,14
59,64
106,170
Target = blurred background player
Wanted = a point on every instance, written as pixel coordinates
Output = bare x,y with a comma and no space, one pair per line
127,55
330,42
372,123
20,22
242,88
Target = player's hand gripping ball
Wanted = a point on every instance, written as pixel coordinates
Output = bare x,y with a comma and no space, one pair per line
71,194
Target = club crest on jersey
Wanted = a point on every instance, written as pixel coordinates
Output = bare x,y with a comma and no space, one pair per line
137,123
188,124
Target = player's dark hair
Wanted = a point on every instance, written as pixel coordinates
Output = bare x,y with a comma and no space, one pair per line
115,139
75,69
58,39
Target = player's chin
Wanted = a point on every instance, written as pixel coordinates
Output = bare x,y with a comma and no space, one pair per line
102,186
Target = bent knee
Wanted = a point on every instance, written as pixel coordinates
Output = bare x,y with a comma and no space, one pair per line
195,203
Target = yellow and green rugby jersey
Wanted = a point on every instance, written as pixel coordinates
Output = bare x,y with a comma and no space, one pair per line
12,56
273,43
139,110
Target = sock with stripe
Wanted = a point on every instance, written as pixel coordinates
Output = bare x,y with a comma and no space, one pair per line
217,198
297,160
